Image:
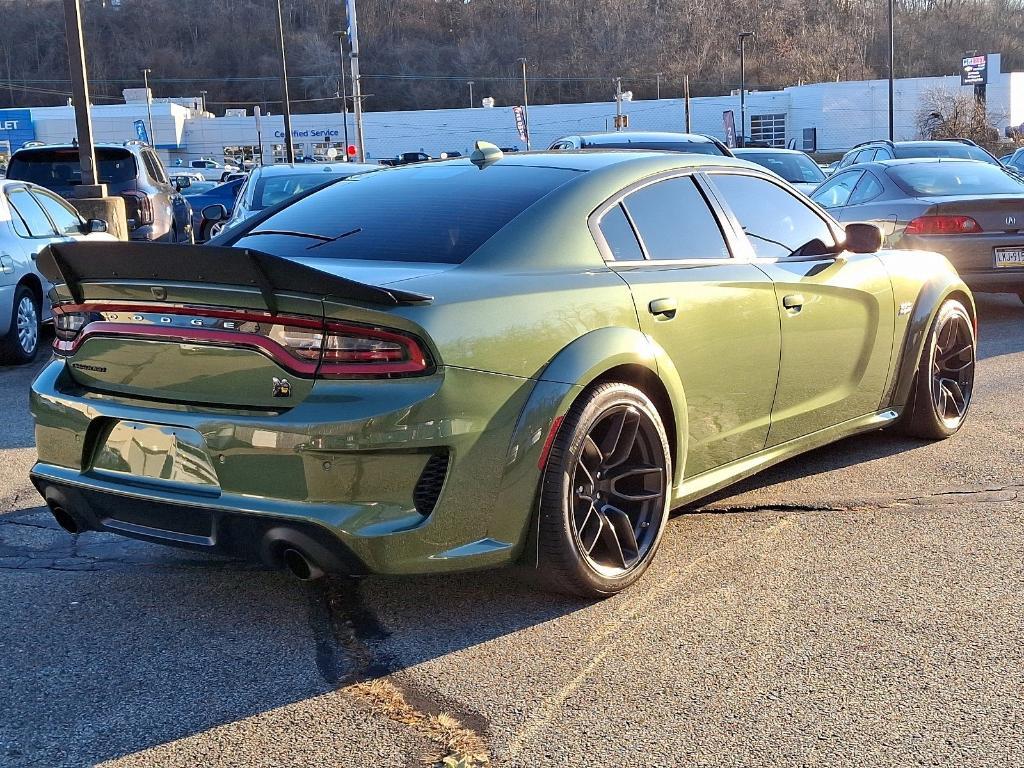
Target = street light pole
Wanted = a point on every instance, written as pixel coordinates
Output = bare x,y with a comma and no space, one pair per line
202,95
471,102
526,104
357,84
149,106
80,95
658,86
289,148
618,103
892,55
743,88
344,88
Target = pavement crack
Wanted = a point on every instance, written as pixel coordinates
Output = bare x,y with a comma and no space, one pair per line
453,732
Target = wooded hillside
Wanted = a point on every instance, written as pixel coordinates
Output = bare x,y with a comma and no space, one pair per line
420,53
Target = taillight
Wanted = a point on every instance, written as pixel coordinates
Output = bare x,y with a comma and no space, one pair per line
943,225
139,203
68,325
351,350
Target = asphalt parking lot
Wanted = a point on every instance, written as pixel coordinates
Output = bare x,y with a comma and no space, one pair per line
860,605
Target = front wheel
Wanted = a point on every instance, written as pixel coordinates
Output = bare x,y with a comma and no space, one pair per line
605,493
945,376
21,343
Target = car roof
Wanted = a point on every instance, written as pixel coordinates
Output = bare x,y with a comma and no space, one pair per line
738,151
591,159
628,137
900,161
285,169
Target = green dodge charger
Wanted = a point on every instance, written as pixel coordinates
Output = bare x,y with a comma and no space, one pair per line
491,360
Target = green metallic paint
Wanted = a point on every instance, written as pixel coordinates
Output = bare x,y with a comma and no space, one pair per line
516,333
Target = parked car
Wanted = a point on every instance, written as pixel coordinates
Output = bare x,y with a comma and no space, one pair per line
216,194
155,209
1014,161
31,218
211,170
406,158
180,179
790,164
870,151
271,185
970,211
672,142
474,362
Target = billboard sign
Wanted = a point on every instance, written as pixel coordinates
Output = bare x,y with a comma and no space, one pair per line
974,70
16,127
729,123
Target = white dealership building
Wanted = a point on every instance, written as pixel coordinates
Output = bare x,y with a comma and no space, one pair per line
822,116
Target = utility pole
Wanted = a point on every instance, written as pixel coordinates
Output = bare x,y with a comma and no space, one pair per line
526,104
743,88
259,135
658,86
618,103
344,88
471,102
892,55
289,148
357,85
149,106
202,96
686,100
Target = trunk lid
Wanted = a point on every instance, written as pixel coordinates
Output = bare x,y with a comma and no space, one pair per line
994,213
200,324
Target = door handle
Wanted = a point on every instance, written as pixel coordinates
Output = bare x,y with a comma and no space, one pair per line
793,301
664,308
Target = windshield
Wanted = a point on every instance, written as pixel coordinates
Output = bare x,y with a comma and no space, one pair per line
794,168
269,190
954,178
198,188
422,213
58,169
950,149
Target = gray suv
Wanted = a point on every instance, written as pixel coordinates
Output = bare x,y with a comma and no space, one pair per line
155,209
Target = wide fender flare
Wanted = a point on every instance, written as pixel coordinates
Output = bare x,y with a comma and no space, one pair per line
563,380
929,299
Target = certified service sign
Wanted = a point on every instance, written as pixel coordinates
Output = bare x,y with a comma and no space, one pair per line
16,127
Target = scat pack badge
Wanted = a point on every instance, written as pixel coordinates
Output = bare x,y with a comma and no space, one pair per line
282,387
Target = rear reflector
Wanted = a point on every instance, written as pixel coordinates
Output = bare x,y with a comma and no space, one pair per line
543,459
943,225
301,345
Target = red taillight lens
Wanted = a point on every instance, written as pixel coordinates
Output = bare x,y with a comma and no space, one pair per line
140,207
356,351
943,225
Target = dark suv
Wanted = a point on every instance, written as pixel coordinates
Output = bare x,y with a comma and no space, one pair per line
155,209
872,151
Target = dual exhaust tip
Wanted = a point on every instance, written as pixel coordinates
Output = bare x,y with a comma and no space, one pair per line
295,562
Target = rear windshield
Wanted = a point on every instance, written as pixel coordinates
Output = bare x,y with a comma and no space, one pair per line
427,213
59,168
946,179
949,149
273,189
796,169
694,147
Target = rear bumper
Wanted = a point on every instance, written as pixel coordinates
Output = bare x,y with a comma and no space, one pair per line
972,256
346,468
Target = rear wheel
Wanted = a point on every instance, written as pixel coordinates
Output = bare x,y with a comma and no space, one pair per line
945,376
604,494
21,343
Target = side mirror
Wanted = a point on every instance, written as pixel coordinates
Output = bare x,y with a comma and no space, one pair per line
215,212
94,226
182,182
863,238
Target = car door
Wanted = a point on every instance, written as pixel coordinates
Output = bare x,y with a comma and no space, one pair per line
34,229
836,308
715,316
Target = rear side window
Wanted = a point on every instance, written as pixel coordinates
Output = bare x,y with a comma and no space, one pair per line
619,235
421,213
67,221
31,213
776,222
59,168
154,167
675,222
836,191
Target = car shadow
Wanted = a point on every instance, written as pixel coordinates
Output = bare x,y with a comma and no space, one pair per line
16,431
1000,316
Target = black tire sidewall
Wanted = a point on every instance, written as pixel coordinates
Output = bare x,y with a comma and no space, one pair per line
561,563
925,422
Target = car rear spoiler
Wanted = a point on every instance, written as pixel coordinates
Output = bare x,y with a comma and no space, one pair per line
72,264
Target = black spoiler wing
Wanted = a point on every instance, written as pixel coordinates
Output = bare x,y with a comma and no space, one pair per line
72,264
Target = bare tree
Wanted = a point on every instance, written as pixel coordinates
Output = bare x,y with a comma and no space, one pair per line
953,113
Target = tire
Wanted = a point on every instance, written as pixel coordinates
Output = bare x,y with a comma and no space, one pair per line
944,385
587,546
21,344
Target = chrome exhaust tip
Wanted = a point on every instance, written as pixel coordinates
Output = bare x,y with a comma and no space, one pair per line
300,566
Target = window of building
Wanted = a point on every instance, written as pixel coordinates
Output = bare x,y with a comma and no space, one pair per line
768,129
321,151
280,157
244,154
